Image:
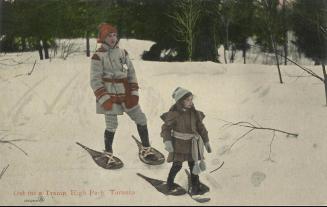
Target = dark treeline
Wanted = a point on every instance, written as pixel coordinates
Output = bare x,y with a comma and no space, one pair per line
183,29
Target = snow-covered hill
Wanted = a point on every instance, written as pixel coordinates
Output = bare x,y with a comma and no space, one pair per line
54,107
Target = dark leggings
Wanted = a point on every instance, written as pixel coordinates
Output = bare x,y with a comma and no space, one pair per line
176,167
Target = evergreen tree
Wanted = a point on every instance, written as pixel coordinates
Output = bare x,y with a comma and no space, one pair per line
206,45
310,28
243,25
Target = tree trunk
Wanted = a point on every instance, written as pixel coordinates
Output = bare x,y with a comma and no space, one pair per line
225,58
39,47
244,55
227,39
277,59
23,44
190,49
285,52
325,79
232,57
285,34
46,49
87,44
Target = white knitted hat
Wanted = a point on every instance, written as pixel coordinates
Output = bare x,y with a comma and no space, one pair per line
179,92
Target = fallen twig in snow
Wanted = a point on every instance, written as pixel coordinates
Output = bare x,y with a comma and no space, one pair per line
29,73
3,171
252,128
217,168
11,142
270,148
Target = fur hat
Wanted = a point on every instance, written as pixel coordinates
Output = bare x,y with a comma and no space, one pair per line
179,93
104,30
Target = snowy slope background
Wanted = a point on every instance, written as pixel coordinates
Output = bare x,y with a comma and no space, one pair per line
54,107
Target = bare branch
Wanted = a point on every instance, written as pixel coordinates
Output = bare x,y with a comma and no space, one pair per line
238,139
230,124
309,71
277,130
253,127
270,148
249,125
256,122
3,171
29,73
185,18
19,140
217,168
11,143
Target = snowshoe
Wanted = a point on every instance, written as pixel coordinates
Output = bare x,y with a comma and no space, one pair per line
203,189
162,186
105,159
199,190
197,194
149,155
177,190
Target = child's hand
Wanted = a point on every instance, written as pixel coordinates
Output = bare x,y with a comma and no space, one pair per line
169,146
208,147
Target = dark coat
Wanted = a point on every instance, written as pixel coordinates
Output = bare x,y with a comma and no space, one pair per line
184,121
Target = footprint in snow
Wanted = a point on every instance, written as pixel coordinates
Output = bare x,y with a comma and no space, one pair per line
257,178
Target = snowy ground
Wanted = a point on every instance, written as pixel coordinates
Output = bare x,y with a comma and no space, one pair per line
55,107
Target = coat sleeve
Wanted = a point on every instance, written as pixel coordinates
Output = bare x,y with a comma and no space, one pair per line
131,75
201,128
96,73
169,119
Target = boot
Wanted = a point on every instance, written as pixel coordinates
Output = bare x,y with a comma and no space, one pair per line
144,135
108,139
171,176
197,187
195,184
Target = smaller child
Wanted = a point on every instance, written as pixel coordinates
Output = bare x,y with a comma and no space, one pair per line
185,136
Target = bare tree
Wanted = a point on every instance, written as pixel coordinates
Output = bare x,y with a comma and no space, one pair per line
310,72
271,28
225,11
270,20
305,69
285,36
67,48
186,16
